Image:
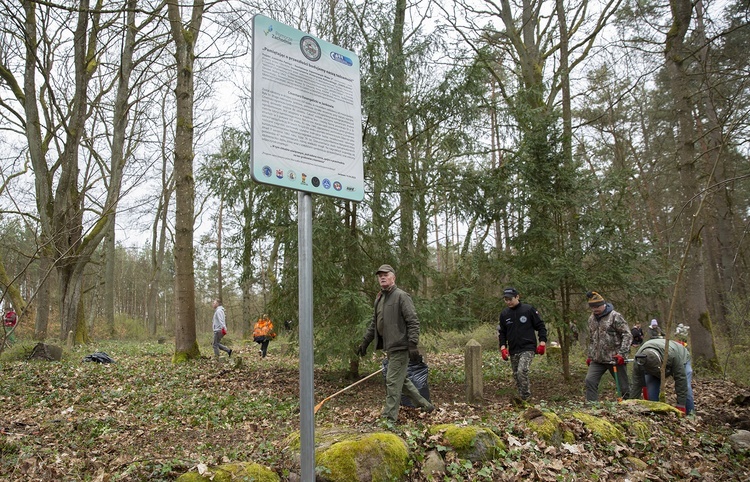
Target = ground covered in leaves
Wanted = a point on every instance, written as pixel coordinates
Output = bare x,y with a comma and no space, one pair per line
143,418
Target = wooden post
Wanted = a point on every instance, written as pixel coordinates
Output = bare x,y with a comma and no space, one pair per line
473,372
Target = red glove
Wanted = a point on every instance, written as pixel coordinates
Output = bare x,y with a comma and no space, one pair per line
588,361
645,393
681,409
504,353
619,360
540,350
223,331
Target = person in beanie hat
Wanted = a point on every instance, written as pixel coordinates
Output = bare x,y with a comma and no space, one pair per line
395,327
647,372
654,331
516,332
608,345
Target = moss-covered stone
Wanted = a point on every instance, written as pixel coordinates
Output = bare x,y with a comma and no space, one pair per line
374,457
635,463
640,430
244,471
471,442
548,425
342,455
647,406
601,428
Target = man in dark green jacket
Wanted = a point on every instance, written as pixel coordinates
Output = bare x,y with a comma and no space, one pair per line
647,372
395,327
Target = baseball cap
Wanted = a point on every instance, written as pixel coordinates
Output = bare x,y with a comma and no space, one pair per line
650,360
510,292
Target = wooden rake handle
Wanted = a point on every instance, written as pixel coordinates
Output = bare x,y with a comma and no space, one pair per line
317,407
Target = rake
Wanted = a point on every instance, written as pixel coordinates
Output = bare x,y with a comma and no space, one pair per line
317,407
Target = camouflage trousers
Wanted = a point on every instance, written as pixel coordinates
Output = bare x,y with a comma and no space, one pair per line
520,363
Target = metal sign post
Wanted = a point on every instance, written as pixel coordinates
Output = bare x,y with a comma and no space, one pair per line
306,393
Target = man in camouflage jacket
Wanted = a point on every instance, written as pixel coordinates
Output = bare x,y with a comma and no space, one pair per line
609,344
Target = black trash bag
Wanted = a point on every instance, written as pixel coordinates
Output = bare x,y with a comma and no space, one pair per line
98,357
416,372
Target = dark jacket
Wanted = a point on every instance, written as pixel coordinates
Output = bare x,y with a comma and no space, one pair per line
400,322
679,356
517,328
637,335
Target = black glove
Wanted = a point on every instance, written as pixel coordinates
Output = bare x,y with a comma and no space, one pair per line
414,355
362,350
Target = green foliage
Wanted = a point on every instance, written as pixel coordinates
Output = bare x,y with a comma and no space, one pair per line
128,328
734,341
18,352
455,341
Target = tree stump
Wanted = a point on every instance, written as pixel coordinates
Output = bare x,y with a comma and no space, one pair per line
46,352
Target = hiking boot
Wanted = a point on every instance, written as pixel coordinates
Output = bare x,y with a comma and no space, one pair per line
230,353
429,408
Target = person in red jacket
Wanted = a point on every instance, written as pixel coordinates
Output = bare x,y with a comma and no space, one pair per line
9,320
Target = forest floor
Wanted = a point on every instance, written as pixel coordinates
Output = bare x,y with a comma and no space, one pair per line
143,418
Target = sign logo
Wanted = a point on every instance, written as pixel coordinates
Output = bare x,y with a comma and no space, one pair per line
341,59
280,173
267,171
337,186
310,48
326,184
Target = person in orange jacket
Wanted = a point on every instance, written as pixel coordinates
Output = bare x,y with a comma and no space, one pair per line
263,334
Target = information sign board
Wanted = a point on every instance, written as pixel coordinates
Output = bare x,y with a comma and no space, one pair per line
306,113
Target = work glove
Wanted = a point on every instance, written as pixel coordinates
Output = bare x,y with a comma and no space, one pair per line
588,361
540,349
504,353
362,350
619,360
414,355
681,408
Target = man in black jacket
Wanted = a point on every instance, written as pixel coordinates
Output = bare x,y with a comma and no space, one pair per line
519,325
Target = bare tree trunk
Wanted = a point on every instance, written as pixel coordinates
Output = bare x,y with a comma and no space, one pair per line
720,243
41,322
693,298
159,235
219,274
398,127
109,280
184,37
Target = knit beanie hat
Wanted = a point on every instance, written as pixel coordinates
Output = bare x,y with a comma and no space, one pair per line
654,323
595,299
